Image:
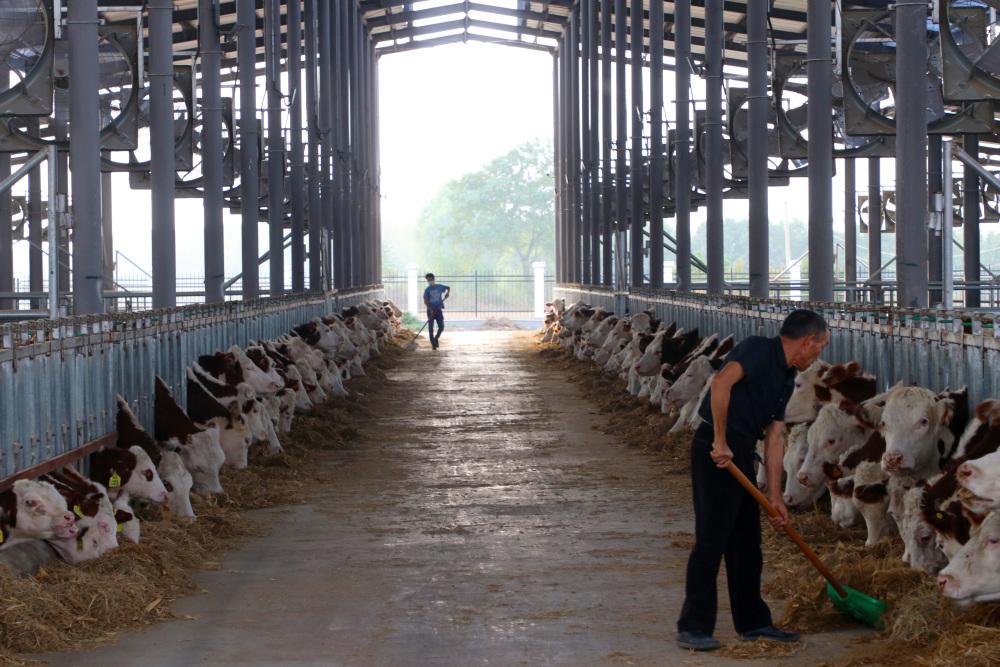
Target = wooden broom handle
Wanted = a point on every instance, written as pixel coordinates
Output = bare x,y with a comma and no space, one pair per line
791,532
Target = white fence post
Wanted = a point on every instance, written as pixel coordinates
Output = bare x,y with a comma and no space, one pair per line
411,290
539,268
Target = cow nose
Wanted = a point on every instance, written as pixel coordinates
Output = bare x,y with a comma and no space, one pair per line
788,500
964,471
891,461
942,582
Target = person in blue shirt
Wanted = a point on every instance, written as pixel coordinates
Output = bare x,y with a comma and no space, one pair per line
434,298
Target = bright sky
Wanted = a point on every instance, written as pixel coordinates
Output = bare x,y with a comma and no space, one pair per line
445,111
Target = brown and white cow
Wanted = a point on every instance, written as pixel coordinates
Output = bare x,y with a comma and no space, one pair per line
921,429
167,458
95,517
980,479
229,410
129,473
32,510
973,575
871,500
823,383
797,494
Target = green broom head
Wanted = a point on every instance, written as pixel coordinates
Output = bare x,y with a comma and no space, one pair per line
856,604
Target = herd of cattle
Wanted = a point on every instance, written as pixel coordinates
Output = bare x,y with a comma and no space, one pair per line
237,399
907,462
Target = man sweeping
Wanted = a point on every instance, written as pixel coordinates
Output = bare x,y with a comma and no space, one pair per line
434,298
746,402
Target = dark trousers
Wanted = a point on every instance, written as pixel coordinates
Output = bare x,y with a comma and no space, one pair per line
726,525
432,317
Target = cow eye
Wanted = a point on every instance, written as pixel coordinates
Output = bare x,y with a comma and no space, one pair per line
148,474
924,421
994,540
831,441
881,424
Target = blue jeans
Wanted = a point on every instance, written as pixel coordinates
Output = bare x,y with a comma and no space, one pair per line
435,315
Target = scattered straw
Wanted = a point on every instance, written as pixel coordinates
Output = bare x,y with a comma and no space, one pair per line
759,650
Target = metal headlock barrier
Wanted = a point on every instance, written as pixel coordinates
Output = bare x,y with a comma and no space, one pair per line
932,348
58,378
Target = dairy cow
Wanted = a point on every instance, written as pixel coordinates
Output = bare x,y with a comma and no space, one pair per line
921,429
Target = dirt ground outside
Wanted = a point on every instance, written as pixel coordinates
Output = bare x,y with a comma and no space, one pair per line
481,515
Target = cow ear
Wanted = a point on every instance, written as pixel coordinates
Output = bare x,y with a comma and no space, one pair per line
946,410
853,368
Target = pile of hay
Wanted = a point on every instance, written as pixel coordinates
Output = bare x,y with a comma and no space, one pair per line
65,606
920,627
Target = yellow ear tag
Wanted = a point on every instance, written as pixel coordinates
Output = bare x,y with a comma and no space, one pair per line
939,516
77,511
116,481
121,528
79,544
1,535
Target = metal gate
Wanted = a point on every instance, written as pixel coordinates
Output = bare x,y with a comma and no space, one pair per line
477,295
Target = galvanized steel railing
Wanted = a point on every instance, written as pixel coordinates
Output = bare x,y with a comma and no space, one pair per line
58,378
932,348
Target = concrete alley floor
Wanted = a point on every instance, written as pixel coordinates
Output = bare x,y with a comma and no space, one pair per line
480,520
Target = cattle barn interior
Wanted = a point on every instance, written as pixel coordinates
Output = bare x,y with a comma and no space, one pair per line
277,467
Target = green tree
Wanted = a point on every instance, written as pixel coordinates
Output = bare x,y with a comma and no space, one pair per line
500,218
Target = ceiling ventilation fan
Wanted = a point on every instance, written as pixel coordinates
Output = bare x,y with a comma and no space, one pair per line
27,45
869,81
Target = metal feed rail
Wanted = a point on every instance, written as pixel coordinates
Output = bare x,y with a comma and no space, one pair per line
932,348
59,378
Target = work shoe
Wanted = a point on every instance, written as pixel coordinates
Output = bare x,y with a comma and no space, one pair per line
434,344
694,642
770,633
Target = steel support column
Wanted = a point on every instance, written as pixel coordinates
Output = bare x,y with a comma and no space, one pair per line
656,150
6,234
970,223
85,156
607,185
911,154
212,151
586,43
820,123
621,144
681,171
340,259
312,124
35,261
162,172
246,18
557,161
934,189
574,137
354,219
714,225
107,229
757,61
636,180
875,227
327,99
275,147
346,172
298,191
850,229
593,144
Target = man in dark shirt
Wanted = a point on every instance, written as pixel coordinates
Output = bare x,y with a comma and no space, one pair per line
746,402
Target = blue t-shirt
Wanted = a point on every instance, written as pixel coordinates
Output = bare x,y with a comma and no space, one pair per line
434,295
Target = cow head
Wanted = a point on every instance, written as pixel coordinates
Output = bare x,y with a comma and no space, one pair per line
921,548
35,510
177,480
835,432
915,424
690,383
980,479
796,493
973,575
263,382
